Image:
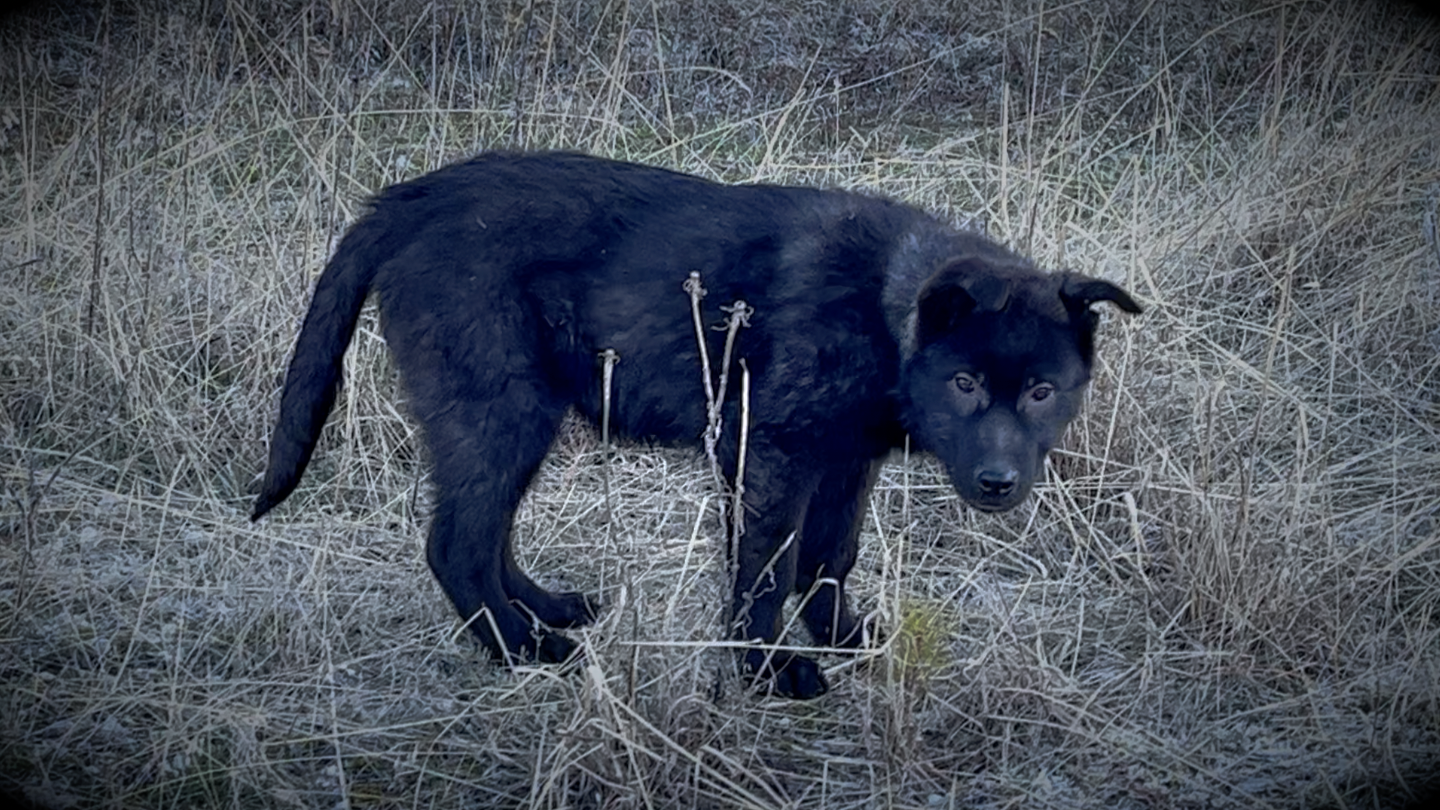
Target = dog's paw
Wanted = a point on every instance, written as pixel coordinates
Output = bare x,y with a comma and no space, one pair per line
569,609
785,674
552,648
862,635
539,647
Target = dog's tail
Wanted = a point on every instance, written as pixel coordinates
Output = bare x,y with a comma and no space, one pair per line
314,376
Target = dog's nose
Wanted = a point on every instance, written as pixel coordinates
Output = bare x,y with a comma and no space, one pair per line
997,483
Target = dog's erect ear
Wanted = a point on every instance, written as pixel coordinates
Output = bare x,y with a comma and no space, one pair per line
962,287
1079,292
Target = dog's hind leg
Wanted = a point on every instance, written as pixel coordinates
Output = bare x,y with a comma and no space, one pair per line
568,609
486,451
829,543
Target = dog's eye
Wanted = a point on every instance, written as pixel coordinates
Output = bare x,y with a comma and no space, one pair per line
1040,393
966,383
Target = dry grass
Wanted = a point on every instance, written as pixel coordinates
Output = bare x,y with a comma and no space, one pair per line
1226,593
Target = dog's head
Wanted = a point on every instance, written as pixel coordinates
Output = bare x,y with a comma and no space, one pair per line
999,358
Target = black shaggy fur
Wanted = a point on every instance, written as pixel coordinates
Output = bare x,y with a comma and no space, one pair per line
503,278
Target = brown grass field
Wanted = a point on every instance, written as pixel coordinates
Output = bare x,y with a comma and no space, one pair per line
1225,593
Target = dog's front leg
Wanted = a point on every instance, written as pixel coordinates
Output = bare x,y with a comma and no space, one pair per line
764,568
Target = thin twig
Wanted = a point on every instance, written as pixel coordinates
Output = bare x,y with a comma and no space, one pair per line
609,357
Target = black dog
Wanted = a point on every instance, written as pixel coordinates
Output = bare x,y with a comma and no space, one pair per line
502,279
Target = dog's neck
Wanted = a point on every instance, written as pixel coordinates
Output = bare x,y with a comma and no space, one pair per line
917,254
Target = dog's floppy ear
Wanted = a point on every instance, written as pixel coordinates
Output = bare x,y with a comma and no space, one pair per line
1079,292
959,288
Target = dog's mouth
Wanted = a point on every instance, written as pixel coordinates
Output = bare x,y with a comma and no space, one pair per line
993,504
985,502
